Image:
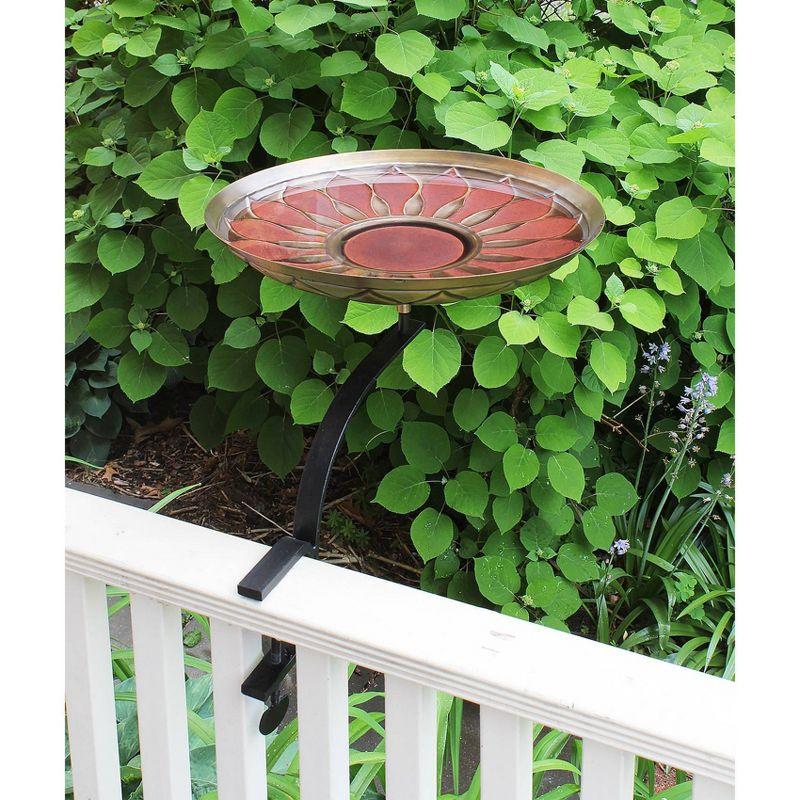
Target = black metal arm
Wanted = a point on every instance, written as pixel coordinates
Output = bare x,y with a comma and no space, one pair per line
266,574
263,683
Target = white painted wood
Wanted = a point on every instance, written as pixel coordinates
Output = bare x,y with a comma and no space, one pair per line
241,754
322,726
709,789
410,740
657,710
506,756
606,773
160,698
91,719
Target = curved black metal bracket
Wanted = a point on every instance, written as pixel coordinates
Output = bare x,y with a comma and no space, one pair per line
267,573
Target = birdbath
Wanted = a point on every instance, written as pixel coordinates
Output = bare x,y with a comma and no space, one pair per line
391,227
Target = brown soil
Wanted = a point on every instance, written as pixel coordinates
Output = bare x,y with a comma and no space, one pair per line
237,494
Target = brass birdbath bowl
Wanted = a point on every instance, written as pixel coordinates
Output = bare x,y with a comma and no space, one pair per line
405,226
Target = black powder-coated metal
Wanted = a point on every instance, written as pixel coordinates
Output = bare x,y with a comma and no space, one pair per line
286,552
264,681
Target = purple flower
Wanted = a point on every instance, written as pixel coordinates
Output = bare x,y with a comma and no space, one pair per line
620,547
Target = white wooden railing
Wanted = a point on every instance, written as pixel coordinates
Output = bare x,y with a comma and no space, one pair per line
621,704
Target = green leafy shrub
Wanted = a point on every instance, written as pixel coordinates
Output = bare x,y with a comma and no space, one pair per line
514,424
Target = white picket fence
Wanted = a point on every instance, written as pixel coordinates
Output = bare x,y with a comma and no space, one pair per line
620,703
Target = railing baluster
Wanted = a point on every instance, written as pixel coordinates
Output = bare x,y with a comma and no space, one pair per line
606,773
323,726
709,789
160,699
506,756
90,692
241,757
410,740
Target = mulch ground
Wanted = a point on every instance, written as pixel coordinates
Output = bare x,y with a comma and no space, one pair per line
237,494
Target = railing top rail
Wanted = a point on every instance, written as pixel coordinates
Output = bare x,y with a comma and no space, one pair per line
651,708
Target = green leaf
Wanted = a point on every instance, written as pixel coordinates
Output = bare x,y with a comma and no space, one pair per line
518,328
168,346
231,369
615,494
474,314
642,240
498,431
187,307
706,260
241,108
565,601
142,85
310,401
195,194
369,317
110,327
606,145
403,489
222,50
119,252
642,308
191,94
441,9
133,8
583,311
299,18
540,88
577,563
139,376
242,333
498,579
144,44
275,296
368,95
520,30
566,475
598,528
588,102
669,281
282,363
84,285
555,433
432,359
726,442
649,145
344,62
433,85
608,364
163,177
425,445
557,335
494,362
404,53
432,533
679,219
558,155
628,17
280,445
520,466
253,19
467,493
210,136
385,409
470,408
477,124
88,39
